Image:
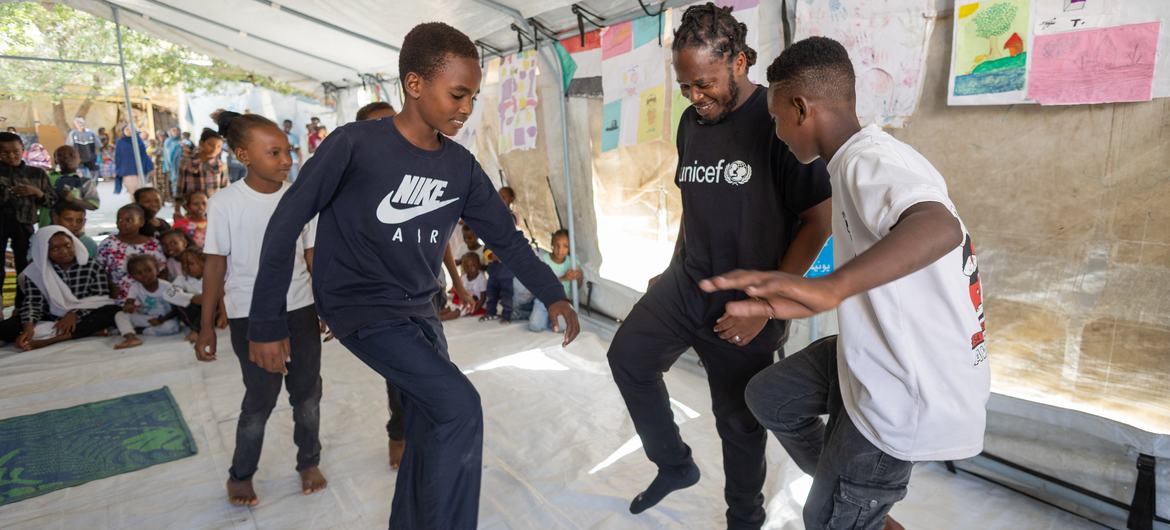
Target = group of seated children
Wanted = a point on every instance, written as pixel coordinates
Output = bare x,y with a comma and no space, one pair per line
495,291
145,279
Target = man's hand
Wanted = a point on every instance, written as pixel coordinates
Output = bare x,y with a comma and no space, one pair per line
776,294
205,345
572,326
739,330
270,356
67,324
129,307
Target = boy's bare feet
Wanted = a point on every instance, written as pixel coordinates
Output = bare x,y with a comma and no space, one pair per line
192,336
129,341
312,480
397,448
891,524
240,493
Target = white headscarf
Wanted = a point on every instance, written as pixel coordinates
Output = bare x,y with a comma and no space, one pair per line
41,273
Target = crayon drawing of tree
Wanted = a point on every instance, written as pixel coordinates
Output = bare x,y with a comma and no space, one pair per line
994,22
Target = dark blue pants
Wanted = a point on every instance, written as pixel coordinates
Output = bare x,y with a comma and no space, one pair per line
499,291
439,481
854,483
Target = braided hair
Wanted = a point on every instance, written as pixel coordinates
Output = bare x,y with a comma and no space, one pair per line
713,27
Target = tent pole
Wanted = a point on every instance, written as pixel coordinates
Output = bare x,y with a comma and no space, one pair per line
134,139
564,132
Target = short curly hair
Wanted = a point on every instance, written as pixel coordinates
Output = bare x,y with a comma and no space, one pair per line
817,65
426,47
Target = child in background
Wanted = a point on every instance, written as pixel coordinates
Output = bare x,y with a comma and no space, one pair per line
471,242
107,169
149,303
23,188
71,215
194,224
498,290
237,218
474,280
558,260
37,156
191,282
151,202
907,378
66,293
69,185
116,249
201,168
174,242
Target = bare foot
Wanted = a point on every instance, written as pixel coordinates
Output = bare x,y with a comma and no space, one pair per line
240,493
130,341
37,344
397,448
891,524
312,480
192,336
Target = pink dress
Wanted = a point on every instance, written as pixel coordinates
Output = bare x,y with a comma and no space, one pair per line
112,255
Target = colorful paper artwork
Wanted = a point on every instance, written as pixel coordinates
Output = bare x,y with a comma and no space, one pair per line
633,78
992,40
1113,64
887,42
517,107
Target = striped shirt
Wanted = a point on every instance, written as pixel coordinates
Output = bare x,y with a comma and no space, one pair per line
83,280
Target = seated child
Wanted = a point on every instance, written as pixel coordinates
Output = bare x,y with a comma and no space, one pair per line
474,282
151,202
194,224
149,303
71,215
561,265
191,282
498,291
66,293
174,242
471,241
114,250
68,185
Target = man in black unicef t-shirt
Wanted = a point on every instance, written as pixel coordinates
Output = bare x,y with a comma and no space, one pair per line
747,204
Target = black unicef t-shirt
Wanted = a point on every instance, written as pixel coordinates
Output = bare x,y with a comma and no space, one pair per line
742,193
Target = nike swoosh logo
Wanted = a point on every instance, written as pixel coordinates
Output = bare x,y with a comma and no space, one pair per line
390,215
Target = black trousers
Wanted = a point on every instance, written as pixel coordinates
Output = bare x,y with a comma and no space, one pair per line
673,316
21,236
261,388
95,321
499,292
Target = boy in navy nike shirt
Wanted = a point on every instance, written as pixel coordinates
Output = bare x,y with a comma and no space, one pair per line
388,194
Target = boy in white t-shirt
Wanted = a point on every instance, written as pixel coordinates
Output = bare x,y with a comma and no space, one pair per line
907,379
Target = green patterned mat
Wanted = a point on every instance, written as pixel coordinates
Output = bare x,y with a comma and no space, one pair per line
56,449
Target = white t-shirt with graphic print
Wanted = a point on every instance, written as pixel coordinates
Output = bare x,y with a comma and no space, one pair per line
912,361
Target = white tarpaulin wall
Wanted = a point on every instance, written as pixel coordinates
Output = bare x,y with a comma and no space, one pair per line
1074,241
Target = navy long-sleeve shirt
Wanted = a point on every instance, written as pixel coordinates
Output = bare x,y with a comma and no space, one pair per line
386,209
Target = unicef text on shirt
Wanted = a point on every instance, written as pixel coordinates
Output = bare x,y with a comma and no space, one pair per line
735,173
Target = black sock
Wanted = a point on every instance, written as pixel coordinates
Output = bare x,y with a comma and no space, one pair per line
667,481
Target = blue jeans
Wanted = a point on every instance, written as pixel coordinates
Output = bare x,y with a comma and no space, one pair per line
538,319
855,484
439,481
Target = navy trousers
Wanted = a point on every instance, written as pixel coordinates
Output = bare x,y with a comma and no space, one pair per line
439,481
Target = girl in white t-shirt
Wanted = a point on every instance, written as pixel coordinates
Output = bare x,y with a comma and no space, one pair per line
236,221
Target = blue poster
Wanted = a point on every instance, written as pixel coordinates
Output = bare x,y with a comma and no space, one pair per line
823,265
611,119
646,29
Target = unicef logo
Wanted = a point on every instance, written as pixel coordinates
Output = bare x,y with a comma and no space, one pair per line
737,173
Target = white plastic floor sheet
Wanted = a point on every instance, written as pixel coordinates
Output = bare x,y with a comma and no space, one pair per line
560,451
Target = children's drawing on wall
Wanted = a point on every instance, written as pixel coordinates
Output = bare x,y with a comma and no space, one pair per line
633,79
1104,65
992,41
887,42
517,108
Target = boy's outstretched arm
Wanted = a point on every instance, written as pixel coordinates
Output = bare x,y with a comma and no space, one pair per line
924,233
